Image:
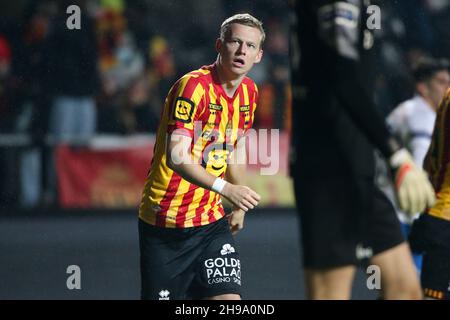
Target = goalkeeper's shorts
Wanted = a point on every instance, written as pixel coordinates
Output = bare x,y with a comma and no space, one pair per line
344,221
189,263
431,236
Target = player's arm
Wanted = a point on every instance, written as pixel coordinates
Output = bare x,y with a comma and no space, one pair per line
339,24
413,189
235,174
179,159
401,124
339,28
419,146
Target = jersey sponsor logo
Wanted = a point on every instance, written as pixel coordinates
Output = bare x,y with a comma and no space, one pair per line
212,124
164,295
184,109
220,270
216,107
363,252
216,155
227,249
217,158
245,108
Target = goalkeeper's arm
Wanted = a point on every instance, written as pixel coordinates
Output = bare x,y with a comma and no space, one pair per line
342,41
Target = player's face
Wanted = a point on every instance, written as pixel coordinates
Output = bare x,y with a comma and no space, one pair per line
437,87
240,49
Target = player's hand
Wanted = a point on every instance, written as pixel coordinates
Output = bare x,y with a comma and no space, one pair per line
413,189
236,220
242,197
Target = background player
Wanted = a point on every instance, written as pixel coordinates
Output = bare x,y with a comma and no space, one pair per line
344,217
431,232
187,250
412,122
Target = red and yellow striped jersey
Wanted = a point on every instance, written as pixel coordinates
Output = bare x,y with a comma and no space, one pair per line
196,106
437,161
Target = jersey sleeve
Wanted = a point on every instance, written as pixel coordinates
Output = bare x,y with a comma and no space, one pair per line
338,26
186,104
396,121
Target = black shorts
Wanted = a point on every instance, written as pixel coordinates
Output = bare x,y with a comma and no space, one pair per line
191,263
431,237
344,221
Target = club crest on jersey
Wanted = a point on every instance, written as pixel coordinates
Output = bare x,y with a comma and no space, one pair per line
184,109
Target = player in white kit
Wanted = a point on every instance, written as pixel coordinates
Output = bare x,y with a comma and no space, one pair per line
413,120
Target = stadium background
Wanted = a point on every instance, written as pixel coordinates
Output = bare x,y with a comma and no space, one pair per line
80,208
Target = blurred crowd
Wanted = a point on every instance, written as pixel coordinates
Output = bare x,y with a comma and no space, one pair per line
122,61
115,72
410,30
128,53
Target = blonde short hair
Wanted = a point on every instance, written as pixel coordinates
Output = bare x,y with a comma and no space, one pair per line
245,19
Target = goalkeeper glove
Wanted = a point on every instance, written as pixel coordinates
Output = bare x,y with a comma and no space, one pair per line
413,189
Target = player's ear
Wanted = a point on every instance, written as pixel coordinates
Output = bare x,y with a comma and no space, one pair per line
422,89
259,56
218,44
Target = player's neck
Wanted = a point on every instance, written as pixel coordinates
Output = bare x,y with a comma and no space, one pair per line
229,82
430,103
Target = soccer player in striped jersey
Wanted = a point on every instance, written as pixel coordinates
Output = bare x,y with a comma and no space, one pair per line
431,232
187,248
413,121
